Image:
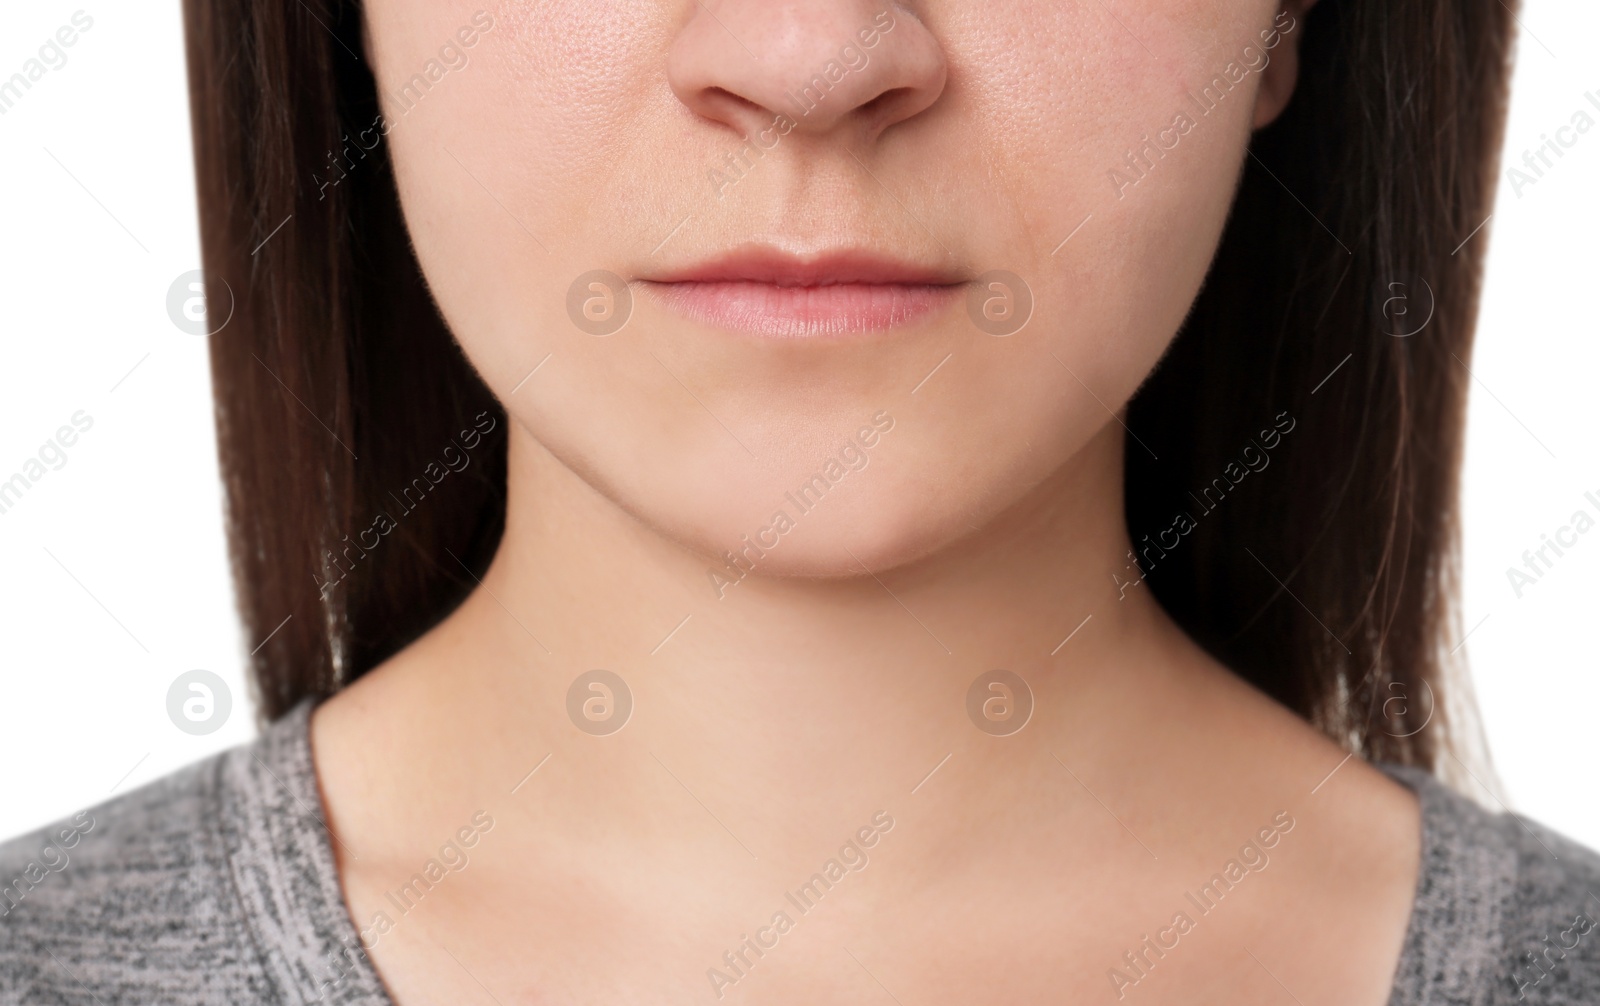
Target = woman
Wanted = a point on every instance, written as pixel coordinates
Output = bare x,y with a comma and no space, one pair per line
935,502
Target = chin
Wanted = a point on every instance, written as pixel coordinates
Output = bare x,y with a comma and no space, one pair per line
850,531
871,550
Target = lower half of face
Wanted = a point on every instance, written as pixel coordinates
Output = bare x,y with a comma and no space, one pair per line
856,276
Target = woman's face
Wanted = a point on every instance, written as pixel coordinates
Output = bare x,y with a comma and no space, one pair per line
904,260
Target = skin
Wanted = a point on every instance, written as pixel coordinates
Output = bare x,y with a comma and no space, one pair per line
825,687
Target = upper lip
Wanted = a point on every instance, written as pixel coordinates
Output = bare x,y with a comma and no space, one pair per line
766,264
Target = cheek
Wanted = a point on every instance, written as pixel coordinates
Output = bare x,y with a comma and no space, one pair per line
514,171
1116,165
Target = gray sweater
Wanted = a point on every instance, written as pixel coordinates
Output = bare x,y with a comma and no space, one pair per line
217,885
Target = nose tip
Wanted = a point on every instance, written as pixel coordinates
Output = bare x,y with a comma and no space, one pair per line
825,64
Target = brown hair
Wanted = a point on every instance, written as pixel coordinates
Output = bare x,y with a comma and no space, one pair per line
1329,581
1332,582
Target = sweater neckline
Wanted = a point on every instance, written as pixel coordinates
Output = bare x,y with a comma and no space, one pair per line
1465,874
282,860
281,855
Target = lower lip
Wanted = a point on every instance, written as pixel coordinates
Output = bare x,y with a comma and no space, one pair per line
799,312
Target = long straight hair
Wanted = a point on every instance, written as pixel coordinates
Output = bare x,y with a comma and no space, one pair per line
1328,579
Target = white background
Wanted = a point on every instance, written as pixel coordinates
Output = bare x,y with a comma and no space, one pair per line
113,576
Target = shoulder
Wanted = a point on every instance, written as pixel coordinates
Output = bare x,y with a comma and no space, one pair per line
129,894
213,884
1507,909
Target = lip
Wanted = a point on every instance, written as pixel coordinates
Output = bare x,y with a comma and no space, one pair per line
777,294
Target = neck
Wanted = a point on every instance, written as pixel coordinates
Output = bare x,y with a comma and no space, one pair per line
750,699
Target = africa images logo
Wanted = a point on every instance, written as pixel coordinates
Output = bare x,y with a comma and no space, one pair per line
1539,561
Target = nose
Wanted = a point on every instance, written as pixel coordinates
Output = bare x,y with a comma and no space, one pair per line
828,65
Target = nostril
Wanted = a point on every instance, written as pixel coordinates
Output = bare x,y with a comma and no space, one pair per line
728,107
722,94
884,101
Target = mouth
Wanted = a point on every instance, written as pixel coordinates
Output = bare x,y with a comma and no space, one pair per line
767,292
